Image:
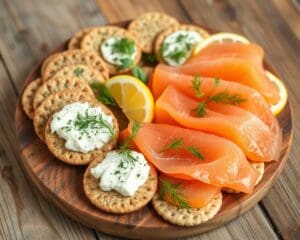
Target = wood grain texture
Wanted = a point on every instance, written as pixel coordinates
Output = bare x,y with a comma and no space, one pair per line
31,28
62,185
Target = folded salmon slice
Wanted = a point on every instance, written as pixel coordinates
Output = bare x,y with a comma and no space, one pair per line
236,62
194,193
258,141
224,164
254,102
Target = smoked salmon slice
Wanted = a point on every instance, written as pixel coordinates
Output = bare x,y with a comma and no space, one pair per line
236,62
254,102
258,141
188,193
223,163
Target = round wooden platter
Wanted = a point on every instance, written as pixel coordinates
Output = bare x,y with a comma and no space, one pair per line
61,184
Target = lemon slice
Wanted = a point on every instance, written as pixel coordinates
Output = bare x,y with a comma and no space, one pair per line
219,38
277,108
133,96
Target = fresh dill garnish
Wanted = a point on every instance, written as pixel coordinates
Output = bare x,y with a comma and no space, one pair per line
123,148
85,122
177,143
176,55
102,94
195,152
125,63
196,85
227,98
139,73
173,191
200,110
217,81
124,46
181,38
150,58
78,72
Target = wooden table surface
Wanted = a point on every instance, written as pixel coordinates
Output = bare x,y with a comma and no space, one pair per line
30,29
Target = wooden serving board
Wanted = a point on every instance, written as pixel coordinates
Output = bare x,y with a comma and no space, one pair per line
61,184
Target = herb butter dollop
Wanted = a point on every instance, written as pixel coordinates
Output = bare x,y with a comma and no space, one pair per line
119,51
123,172
177,47
84,128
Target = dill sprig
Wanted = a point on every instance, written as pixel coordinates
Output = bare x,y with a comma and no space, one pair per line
172,189
123,148
86,121
196,84
150,58
139,73
123,45
200,110
102,94
227,98
177,143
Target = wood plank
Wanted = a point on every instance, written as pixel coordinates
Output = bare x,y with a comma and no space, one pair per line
242,228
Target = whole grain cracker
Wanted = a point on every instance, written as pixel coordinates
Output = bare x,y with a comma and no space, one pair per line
89,74
56,145
28,96
58,84
54,103
147,27
74,42
75,56
113,201
187,216
186,27
93,40
260,167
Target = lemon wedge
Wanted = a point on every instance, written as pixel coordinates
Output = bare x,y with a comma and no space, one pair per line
278,107
134,97
219,38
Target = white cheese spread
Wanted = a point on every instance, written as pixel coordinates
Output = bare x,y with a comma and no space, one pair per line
117,51
178,46
84,128
122,173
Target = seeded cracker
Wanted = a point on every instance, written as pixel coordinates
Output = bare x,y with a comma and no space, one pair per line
93,40
162,36
58,84
89,74
184,216
28,95
75,56
75,41
56,144
260,167
147,26
46,62
113,201
54,103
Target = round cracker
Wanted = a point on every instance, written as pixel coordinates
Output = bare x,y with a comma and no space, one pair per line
147,26
93,40
58,84
28,95
56,145
113,201
54,103
260,167
182,27
46,62
74,42
187,216
75,56
89,74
